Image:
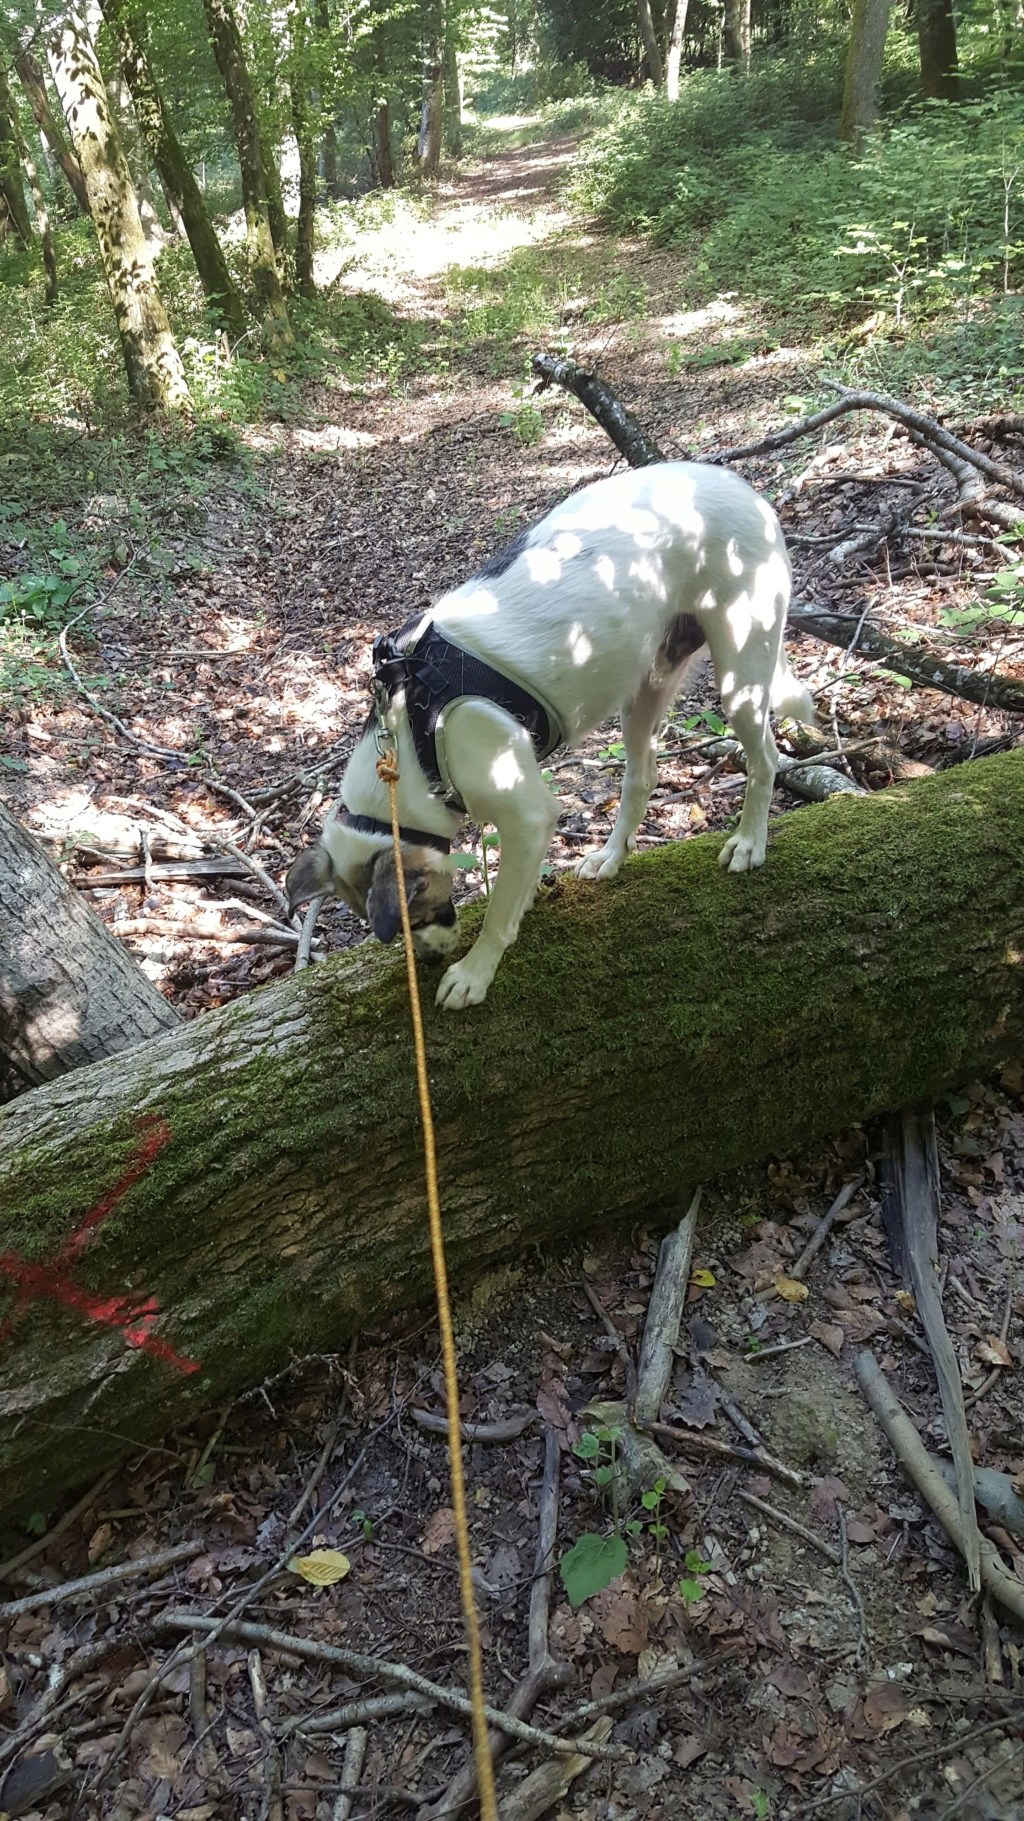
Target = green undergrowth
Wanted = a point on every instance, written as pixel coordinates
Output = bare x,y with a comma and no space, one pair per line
919,235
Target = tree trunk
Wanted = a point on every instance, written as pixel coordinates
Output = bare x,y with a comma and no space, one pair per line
383,159
69,992
39,209
452,78
30,76
331,172
936,37
181,1220
652,49
11,186
676,24
868,30
156,377
736,34
128,25
428,147
298,88
253,159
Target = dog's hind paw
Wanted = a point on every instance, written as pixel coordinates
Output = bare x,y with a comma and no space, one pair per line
741,854
603,865
463,984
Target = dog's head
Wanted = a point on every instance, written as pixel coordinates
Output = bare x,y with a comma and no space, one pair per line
344,864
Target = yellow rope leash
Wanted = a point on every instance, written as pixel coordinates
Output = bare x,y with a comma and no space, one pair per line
387,769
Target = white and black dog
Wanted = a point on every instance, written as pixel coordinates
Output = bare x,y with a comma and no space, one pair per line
600,608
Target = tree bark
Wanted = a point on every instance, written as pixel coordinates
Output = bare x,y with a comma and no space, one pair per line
127,22
263,245
428,148
936,37
868,30
452,77
676,24
736,34
298,88
39,209
180,1220
652,49
69,992
630,439
11,186
156,377
30,75
332,177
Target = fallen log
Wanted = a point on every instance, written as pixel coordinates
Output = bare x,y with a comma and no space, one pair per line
183,1218
70,993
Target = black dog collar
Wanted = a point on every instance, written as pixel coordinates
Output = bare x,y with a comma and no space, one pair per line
415,837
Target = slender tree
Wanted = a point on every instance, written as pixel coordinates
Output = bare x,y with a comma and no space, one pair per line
156,377
936,37
652,49
383,159
30,75
675,23
868,30
452,81
128,25
42,218
253,159
428,149
298,88
329,153
11,186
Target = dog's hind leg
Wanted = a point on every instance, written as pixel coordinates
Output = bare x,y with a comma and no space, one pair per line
641,722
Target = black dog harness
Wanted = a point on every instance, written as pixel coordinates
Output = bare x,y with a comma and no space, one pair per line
435,673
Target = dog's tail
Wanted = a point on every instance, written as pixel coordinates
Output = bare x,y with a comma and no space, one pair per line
789,697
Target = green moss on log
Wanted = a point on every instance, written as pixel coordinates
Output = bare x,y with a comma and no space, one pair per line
642,1034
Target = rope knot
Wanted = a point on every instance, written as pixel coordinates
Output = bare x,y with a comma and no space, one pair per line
387,768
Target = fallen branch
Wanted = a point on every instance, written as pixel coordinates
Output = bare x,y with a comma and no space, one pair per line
924,1473
549,1782
664,1314
927,428
89,1585
357,1663
783,1521
910,1214
508,1429
629,438
915,662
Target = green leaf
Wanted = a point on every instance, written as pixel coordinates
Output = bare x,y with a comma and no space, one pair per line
691,1591
588,1447
592,1564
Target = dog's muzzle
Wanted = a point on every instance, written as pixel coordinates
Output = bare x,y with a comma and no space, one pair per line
433,941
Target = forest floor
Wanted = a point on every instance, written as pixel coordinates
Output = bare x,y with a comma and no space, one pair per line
845,1657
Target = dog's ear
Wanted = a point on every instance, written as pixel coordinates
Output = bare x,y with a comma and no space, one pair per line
310,876
383,903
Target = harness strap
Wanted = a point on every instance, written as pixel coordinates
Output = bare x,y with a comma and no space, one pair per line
417,837
435,672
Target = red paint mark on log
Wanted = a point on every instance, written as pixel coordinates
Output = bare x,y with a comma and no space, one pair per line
51,1278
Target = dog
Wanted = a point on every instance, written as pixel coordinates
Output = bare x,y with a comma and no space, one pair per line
601,607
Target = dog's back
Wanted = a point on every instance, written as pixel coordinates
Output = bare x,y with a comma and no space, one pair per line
603,592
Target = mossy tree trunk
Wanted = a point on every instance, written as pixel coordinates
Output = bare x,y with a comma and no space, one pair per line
127,21
180,1220
11,186
70,993
868,29
156,377
30,75
265,247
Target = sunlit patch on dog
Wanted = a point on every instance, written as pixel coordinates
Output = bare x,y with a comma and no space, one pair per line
579,644
604,569
506,771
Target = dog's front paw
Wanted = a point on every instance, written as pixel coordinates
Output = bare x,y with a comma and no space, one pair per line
463,984
741,854
603,865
